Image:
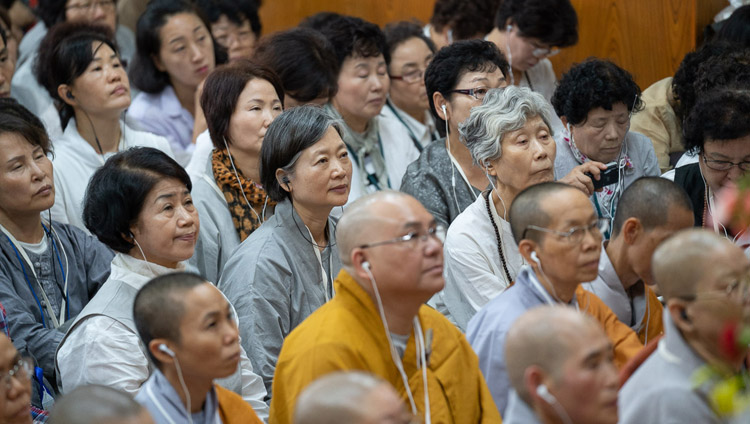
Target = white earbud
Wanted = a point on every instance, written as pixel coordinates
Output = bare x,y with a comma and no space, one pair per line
544,393
509,28
445,112
366,265
164,348
535,258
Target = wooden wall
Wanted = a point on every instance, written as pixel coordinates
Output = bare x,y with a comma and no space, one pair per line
647,37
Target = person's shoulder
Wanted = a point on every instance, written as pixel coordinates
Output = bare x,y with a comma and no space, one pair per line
499,313
144,105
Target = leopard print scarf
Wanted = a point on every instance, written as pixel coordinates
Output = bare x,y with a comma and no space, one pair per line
245,220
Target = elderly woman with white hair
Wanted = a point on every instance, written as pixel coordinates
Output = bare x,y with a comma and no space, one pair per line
510,138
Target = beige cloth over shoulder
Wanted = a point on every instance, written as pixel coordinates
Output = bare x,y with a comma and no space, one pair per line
659,122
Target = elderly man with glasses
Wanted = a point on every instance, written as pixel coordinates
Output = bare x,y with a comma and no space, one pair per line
559,235
706,282
392,257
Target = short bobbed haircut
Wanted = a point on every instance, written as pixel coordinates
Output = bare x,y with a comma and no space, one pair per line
354,37
64,54
464,18
503,110
452,62
115,194
397,33
553,22
237,11
722,115
16,119
595,83
292,132
159,307
222,90
143,72
304,60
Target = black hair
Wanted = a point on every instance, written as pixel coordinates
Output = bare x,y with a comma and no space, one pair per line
526,210
687,73
402,31
319,20
649,199
143,72
736,29
452,62
4,37
159,307
354,37
553,22
721,115
728,70
592,84
236,11
15,118
51,12
221,91
304,61
64,54
465,18
116,192
287,137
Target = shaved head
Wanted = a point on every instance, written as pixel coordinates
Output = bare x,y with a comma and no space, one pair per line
682,261
545,337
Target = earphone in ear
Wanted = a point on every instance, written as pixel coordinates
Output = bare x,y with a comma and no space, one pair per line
164,348
366,265
544,393
445,112
534,257
69,95
509,28
285,179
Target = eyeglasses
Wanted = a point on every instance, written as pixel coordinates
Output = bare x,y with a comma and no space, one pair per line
541,52
437,232
106,5
575,234
22,371
725,165
410,77
477,93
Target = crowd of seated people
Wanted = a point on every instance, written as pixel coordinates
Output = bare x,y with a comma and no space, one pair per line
347,223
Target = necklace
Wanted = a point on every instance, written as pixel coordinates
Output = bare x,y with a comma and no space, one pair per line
499,240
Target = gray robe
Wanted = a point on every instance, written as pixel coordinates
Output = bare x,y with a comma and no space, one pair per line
274,281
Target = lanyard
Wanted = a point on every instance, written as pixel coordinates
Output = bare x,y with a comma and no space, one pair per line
323,273
413,137
56,322
371,178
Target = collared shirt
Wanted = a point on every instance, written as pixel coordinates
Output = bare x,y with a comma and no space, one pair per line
489,327
641,311
163,114
165,405
662,389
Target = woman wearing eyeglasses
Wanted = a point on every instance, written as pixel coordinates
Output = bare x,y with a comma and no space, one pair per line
510,140
406,114
719,130
594,101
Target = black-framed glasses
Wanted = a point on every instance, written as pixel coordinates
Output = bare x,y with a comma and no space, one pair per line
438,232
725,165
410,77
477,93
575,234
22,371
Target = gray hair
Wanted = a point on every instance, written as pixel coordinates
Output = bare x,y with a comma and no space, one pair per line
92,404
502,111
335,398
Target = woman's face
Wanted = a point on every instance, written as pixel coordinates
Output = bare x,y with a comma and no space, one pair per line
102,12
522,50
459,105
26,184
363,85
186,52
15,399
716,153
167,227
601,134
239,40
528,157
256,107
322,175
102,87
7,67
409,60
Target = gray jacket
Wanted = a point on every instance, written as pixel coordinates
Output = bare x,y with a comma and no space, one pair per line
274,281
88,266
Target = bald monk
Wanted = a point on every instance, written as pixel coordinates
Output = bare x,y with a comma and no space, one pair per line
392,256
556,357
704,279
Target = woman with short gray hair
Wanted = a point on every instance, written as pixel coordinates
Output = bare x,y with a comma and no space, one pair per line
509,137
284,270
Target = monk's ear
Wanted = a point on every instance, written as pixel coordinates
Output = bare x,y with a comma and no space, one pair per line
631,230
680,314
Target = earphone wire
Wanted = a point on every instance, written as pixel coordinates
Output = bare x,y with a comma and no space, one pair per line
454,165
184,389
559,410
237,175
148,264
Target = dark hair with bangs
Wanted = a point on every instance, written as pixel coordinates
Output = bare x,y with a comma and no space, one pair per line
64,55
402,31
52,12
553,22
464,18
15,118
355,37
721,115
592,84
304,61
116,192
236,11
453,62
222,90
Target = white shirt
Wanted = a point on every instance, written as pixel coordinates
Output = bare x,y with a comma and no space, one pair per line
473,270
203,150
76,161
